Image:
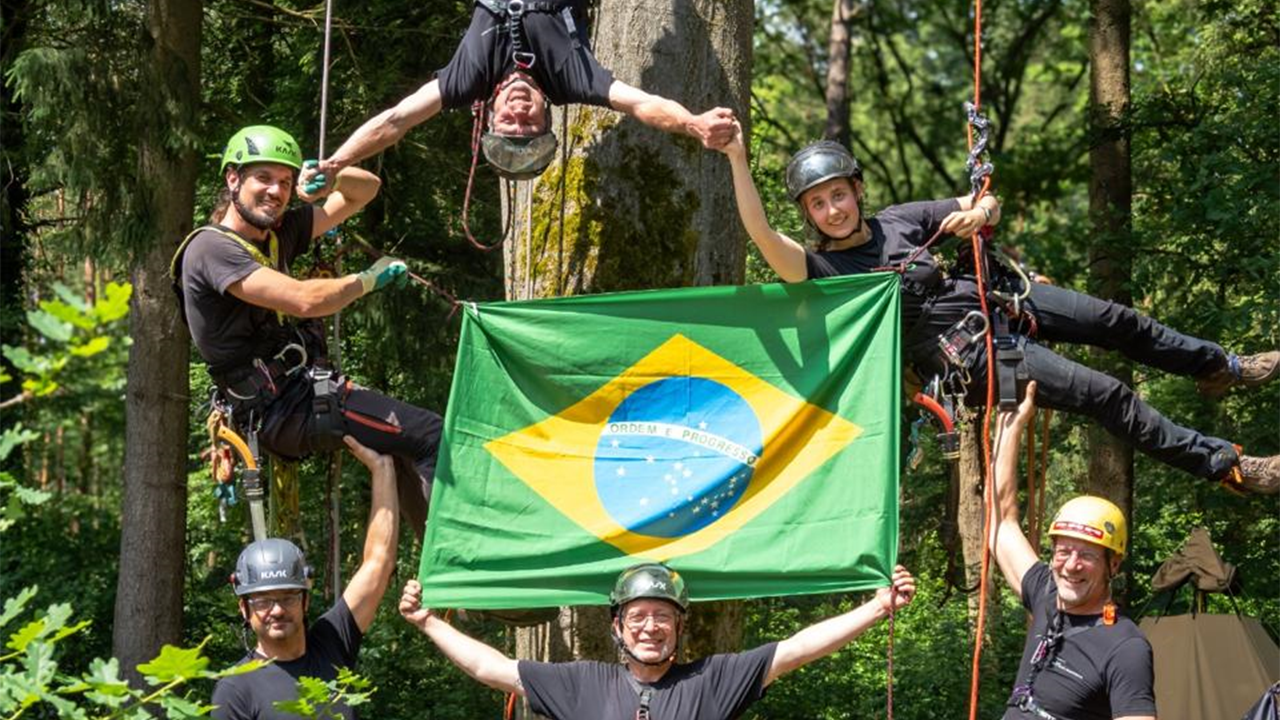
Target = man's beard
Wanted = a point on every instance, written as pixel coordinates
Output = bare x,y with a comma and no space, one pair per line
260,220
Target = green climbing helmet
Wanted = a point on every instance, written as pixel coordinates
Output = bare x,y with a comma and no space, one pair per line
653,581
262,143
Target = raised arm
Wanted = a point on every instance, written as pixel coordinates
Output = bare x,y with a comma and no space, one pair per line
369,584
386,128
1013,551
478,660
822,639
712,128
784,255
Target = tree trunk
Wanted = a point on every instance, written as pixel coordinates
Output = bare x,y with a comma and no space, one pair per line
1110,200
629,207
148,610
838,51
13,208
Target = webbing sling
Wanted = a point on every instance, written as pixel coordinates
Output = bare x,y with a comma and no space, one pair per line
272,261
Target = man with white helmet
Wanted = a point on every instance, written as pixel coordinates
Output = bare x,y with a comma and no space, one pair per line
273,582
1082,659
648,605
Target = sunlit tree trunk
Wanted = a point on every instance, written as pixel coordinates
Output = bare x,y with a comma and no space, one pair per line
838,52
1110,211
628,207
148,610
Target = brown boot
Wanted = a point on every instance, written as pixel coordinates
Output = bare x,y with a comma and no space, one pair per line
1247,370
1259,475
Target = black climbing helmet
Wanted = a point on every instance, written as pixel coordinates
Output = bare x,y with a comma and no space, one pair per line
653,581
271,564
519,157
817,163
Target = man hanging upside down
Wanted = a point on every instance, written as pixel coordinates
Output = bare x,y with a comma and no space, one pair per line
518,58
826,182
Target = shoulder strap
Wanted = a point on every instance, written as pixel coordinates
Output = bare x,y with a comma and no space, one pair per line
272,261
645,692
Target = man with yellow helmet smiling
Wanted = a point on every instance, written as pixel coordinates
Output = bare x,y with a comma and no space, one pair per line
1081,660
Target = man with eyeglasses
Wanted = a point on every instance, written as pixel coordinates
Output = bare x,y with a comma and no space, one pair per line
1082,660
273,580
648,605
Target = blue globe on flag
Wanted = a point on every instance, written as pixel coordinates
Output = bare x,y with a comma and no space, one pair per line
676,455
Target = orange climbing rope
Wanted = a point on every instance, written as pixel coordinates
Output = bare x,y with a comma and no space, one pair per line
988,488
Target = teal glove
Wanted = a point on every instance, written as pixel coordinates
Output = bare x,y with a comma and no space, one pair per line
317,181
385,271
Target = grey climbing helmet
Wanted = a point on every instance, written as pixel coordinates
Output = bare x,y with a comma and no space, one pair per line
519,157
653,581
817,163
271,564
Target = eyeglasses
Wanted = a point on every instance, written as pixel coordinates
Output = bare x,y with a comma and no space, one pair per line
636,622
1088,557
261,604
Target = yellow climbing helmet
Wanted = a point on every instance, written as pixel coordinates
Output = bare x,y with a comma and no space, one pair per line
1094,520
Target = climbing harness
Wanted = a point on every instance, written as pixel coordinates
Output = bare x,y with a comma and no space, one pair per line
1046,653
644,692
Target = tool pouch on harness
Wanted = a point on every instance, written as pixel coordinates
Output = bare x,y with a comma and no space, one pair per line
1011,370
326,410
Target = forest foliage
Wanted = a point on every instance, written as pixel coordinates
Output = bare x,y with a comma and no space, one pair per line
1206,169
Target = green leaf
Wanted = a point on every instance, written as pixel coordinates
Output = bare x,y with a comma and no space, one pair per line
248,667
39,387
30,496
49,326
91,348
68,314
296,707
70,297
15,605
114,302
180,707
22,359
174,663
40,665
25,636
313,690
13,437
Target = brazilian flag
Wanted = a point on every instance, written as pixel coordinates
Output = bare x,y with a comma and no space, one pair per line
746,436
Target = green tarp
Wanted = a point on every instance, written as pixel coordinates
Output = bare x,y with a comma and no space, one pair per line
748,436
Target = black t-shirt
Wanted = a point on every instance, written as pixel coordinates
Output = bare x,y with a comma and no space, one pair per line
719,687
1097,674
333,642
931,302
227,331
565,74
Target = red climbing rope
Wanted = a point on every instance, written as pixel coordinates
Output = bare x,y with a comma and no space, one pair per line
988,487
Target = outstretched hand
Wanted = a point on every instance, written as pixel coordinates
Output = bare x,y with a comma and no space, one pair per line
904,584
313,182
736,146
411,606
715,127
371,458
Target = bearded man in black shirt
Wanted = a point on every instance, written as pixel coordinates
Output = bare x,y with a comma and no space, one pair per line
648,603
1082,660
273,583
518,57
827,183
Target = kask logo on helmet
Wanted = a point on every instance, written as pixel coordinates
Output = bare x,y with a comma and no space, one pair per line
273,574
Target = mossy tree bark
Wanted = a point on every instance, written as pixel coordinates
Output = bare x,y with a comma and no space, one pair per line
148,609
1110,214
628,207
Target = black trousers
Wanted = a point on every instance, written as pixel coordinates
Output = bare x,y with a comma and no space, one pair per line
1070,317
409,433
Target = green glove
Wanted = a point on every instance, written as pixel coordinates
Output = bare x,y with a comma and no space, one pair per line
385,271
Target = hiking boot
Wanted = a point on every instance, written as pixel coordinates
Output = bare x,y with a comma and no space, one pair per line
1246,370
1259,475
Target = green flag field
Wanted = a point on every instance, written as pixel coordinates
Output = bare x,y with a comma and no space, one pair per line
746,436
